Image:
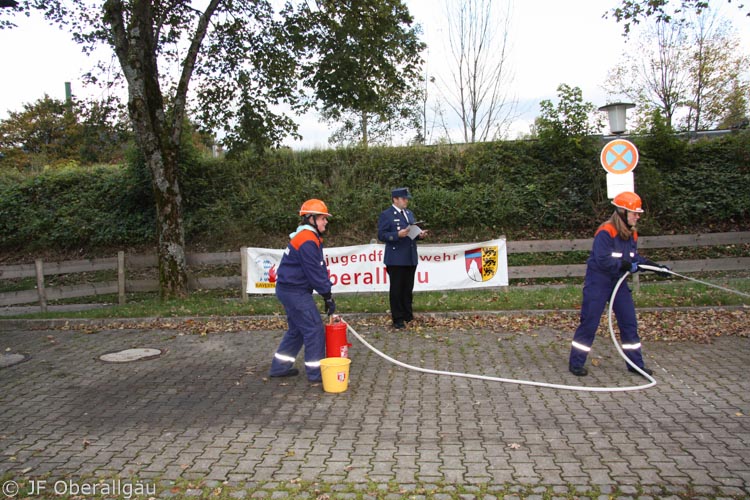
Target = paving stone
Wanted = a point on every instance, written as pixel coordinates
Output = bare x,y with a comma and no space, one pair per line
197,413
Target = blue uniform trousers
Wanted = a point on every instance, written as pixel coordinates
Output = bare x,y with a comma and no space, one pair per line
305,328
401,293
597,290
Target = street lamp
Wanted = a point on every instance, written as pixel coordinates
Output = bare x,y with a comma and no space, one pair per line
616,113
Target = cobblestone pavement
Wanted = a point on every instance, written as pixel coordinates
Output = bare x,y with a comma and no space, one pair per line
206,409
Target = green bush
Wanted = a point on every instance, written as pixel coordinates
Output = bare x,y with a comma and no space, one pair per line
521,189
711,186
73,208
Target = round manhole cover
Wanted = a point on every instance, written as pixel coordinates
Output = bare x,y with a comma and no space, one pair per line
10,359
128,355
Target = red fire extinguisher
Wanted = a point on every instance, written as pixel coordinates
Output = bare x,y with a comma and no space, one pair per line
337,345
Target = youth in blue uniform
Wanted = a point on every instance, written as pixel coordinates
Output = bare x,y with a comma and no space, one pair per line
302,270
614,252
400,257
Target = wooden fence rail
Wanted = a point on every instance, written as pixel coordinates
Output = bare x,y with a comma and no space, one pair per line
122,263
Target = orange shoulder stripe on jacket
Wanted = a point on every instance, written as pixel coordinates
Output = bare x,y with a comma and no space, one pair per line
609,227
303,237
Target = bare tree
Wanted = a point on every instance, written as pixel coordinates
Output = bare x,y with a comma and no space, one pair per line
655,74
477,90
691,71
716,69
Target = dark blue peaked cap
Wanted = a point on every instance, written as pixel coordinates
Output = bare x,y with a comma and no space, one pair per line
401,193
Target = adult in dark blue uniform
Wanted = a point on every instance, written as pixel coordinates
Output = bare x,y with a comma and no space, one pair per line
400,257
302,270
614,252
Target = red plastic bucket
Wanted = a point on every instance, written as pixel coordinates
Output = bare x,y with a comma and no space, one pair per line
337,345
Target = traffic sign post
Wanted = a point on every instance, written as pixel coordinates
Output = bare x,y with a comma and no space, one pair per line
618,183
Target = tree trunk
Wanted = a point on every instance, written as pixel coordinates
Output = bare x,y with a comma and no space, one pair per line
170,232
135,47
161,159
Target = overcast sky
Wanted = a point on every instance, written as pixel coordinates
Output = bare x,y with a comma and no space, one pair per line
552,42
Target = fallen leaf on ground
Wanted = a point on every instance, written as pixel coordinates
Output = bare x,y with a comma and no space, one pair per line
697,325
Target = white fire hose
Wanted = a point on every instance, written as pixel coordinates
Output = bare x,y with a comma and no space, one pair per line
669,271
651,380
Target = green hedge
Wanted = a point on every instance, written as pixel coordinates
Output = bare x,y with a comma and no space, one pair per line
73,208
521,189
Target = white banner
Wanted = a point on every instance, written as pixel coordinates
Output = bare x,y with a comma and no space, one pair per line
360,268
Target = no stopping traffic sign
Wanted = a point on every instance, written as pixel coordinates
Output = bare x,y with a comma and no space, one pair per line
619,156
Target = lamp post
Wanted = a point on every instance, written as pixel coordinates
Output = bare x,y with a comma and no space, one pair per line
616,113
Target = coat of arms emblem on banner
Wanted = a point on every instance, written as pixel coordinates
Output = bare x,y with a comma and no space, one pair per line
481,263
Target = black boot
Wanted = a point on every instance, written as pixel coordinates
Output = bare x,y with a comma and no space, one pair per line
646,370
293,372
578,371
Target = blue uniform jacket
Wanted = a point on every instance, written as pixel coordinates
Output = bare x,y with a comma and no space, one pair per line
398,251
609,250
303,265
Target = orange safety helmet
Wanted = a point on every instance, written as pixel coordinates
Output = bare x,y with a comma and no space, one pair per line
314,207
629,201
